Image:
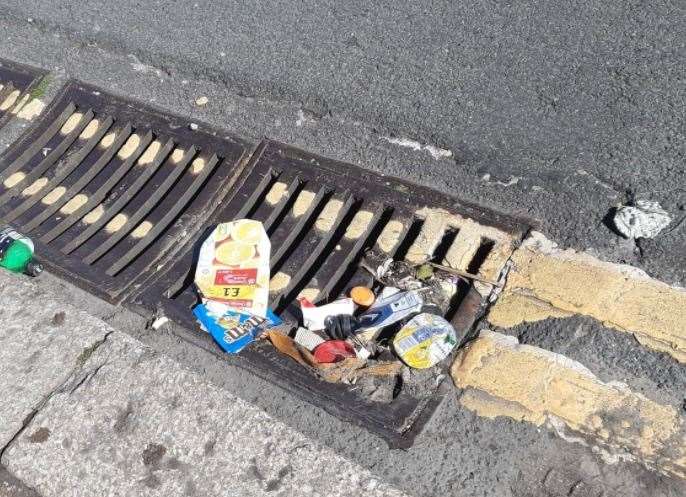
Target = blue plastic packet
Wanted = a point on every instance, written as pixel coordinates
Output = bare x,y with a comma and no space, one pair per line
233,330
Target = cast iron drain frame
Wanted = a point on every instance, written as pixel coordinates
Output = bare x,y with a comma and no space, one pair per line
124,164
16,77
299,248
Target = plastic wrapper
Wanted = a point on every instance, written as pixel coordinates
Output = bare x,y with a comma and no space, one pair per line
314,317
424,341
388,310
231,329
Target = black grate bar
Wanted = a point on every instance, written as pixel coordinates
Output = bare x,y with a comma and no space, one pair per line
84,179
485,247
257,195
150,202
38,144
408,237
299,229
72,162
169,216
100,194
121,201
353,255
447,240
48,160
322,249
284,204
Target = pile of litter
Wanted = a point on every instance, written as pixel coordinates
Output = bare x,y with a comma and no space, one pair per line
373,338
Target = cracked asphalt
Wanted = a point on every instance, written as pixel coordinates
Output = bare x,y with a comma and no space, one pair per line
550,110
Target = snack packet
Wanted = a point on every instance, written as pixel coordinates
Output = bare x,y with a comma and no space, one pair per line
233,266
231,329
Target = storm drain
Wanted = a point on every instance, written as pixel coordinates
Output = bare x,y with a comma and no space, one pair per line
16,83
108,188
322,216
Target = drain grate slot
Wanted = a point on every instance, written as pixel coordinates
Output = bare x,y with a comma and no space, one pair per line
16,83
322,216
110,189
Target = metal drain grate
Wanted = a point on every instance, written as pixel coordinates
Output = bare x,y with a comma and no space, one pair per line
108,188
16,82
321,216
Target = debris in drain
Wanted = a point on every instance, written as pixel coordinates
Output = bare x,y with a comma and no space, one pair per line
16,253
424,341
232,276
308,339
334,351
340,326
233,266
231,329
387,311
362,296
314,317
644,219
366,340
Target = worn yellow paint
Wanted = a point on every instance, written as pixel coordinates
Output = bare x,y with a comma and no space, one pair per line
116,223
129,147
108,140
74,204
142,229
90,129
71,123
277,191
430,235
279,281
505,378
30,110
309,293
390,236
302,203
54,195
548,282
460,253
14,179
327,217
197,165
94,215
35,187
150,153
9,101
177,155
20,105
358,225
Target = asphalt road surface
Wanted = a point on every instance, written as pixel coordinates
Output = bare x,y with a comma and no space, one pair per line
555,110
576,106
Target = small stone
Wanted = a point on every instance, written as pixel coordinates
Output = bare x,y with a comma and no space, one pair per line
201,101
193,126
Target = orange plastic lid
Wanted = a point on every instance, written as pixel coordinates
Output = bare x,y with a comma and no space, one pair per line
362,295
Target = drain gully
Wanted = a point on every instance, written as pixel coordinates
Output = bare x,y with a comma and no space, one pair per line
109,188
16,83
118,198
322,216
